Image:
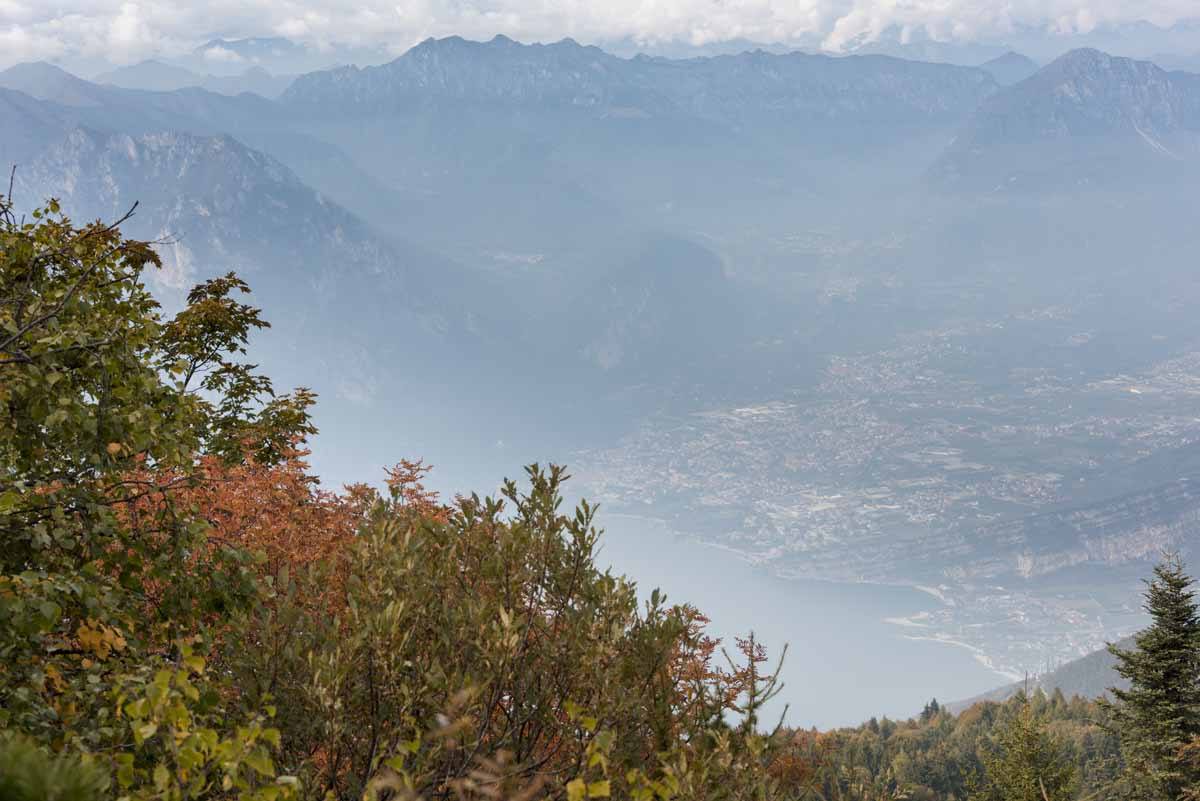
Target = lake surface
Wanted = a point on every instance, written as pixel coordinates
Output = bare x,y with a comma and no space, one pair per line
845,663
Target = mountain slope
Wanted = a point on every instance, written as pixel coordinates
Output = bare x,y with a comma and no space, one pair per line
47,82
1010,68
1087,117
151,75
107,107
215,205
1088,676
27,125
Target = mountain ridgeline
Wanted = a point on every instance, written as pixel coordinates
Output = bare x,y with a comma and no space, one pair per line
1085,118
736,88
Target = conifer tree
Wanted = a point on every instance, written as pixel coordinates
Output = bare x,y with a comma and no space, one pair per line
1029,764
930,711
1160,712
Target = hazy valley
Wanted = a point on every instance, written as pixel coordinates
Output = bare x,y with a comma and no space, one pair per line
858,319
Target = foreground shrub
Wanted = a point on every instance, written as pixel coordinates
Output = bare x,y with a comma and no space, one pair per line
482,648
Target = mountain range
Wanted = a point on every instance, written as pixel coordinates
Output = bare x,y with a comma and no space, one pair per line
737,88
157,76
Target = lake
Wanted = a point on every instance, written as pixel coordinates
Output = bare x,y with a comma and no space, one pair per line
845,663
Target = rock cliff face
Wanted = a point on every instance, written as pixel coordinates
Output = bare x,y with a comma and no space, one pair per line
214,205
211,199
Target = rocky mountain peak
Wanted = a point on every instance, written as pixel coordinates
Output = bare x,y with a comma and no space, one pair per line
1086,117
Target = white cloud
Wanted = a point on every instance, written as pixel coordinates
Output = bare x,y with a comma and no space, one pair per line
129,32
222,55
123,30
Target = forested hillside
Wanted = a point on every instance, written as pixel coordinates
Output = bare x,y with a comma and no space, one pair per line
940,755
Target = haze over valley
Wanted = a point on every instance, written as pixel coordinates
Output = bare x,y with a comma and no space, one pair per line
915,320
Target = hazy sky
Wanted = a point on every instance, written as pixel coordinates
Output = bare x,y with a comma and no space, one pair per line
123,31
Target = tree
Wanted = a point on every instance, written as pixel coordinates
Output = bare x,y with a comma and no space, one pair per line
1160,712
1028,764
104,405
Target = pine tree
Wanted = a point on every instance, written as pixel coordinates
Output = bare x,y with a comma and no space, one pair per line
1160,712
1029,764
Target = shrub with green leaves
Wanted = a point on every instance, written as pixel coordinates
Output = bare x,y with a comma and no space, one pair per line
483,648
104,403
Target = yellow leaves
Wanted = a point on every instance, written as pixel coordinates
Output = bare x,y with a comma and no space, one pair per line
114,448
162,712
55,679
162,778
99,638
144,732
578,789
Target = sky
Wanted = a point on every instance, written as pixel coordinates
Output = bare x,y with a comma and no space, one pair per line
126,31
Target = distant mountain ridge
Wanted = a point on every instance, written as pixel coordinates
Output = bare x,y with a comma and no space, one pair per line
279,55
151,75
45,81
569,75
1010,68
1073,119
106,107
157,76
1087,92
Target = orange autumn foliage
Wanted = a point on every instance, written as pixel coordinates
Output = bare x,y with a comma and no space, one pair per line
279,511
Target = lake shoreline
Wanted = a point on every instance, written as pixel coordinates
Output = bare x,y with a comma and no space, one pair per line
843,633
